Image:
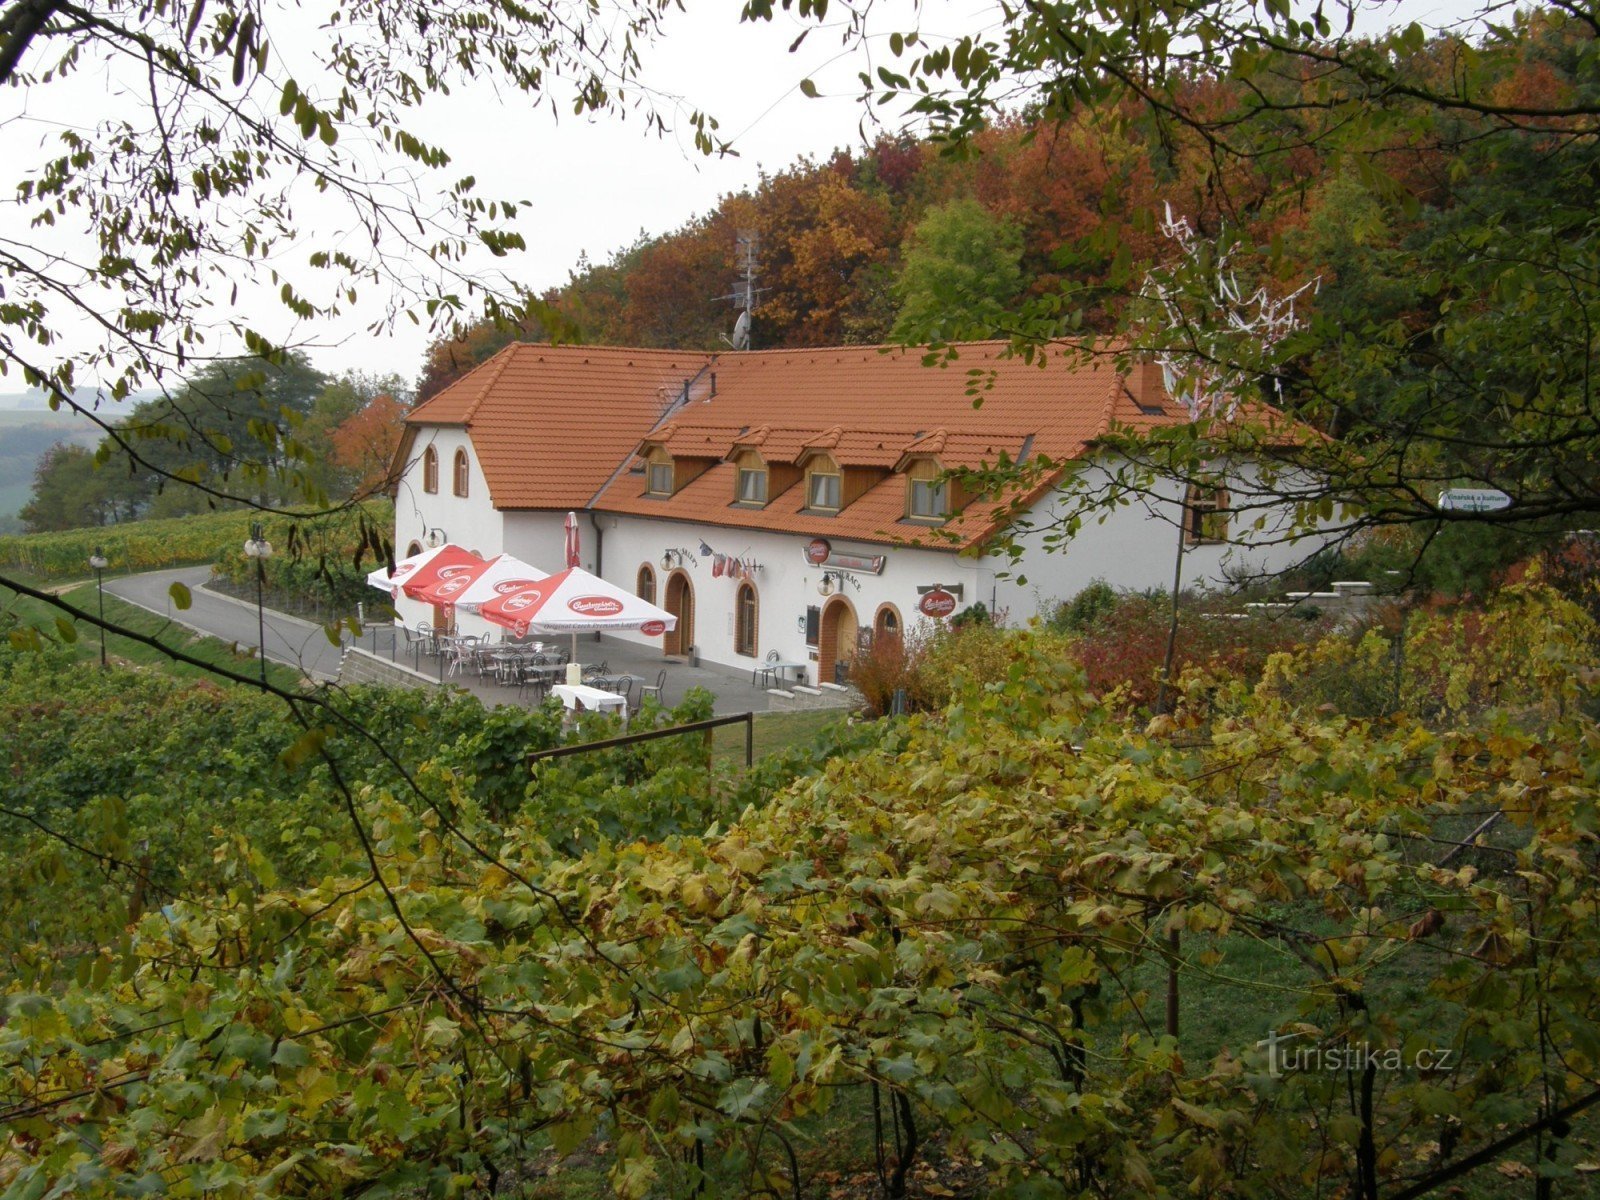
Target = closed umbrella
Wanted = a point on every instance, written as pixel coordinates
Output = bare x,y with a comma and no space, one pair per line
572,540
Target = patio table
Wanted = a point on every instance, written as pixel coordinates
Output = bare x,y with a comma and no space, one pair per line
773,671
574,695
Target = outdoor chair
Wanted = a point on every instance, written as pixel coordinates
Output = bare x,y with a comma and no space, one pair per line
419,640
592,673
763,671
463,653
655,688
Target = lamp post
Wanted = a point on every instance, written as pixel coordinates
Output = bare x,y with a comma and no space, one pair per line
97,560
260,549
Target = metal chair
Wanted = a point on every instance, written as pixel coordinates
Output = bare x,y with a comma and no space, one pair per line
419,640
763,671
463,653
655,688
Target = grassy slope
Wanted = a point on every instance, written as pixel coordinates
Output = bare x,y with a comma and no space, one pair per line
127,651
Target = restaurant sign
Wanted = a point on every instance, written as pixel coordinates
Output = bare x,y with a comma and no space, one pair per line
819,552
937,603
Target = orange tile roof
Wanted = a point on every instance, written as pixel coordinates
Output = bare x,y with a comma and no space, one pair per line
560,426
867,407
552,424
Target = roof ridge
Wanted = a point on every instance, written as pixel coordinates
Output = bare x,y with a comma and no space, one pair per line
505,355
1119,380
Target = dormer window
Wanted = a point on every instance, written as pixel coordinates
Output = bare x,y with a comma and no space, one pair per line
751,487
658,474
928,495
822,485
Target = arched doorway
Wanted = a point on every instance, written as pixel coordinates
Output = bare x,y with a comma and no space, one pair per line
679,601
837,641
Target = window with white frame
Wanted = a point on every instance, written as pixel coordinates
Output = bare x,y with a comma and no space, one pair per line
823,485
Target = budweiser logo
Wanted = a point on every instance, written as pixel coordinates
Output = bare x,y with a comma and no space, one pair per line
452,572
519,602
403,569
451,586
506,586
595,606
938,604
653,628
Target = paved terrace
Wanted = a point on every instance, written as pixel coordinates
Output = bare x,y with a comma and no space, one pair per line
732,688
304,644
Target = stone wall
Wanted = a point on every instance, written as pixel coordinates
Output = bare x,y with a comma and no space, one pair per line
362,666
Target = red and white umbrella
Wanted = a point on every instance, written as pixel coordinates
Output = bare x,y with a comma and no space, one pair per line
505,574
422,570
574,601
572,540
452,583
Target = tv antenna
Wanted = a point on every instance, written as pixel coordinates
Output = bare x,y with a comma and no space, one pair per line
745,245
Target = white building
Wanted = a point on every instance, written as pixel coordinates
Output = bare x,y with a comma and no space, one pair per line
797,501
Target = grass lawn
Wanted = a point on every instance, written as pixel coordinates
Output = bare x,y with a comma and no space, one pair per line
773,731
129,652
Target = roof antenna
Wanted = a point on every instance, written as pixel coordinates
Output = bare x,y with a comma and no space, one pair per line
745,245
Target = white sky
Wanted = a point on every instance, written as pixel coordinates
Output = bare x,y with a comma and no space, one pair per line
594,183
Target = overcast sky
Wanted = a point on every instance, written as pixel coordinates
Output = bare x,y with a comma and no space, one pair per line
594,183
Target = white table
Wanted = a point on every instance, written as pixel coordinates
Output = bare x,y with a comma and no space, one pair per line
574,695
772,672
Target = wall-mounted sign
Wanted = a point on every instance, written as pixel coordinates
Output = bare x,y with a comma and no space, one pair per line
1473,500
819,552
937,603
870,563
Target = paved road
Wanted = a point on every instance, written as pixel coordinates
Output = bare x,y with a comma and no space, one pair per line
298,643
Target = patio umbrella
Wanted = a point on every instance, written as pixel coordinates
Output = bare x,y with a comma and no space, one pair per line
409,572
506,573
572,540
574,601
452,582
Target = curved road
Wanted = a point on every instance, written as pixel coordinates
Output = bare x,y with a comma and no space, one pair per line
298,643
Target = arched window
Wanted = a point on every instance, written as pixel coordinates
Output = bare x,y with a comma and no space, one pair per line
744,640
887,624
430,470
414,549
462,473
645,588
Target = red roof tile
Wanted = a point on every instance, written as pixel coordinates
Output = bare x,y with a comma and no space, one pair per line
552,424
558,427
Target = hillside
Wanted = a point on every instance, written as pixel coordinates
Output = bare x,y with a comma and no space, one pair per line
25,435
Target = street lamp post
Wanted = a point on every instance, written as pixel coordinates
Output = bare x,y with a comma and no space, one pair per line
97,560
260,549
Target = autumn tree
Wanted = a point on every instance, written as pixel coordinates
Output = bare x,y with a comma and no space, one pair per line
1479,146
363,445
